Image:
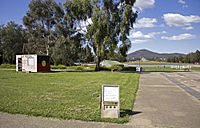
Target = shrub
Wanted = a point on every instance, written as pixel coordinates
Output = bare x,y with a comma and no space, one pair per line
129,69
59,66
117,67
79,68
104,68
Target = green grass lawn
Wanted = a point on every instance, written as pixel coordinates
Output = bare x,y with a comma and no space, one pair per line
8,66
66,95
196,69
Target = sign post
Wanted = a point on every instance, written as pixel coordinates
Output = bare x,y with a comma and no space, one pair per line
110,104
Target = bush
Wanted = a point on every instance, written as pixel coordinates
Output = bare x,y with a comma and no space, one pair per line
59,66
117,67
79,67
129,69
104,68
73,67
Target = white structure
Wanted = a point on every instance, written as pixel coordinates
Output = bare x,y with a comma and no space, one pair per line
110,103
32,63
138,69
109,63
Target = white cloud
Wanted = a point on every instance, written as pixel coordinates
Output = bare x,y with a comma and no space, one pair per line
181,1
143,4
188,28
145,23
178,20
153,34
185,36
139,37
140,41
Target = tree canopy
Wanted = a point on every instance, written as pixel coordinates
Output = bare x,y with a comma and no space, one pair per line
12,38
111,23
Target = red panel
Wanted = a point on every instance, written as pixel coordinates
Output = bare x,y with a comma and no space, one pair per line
41,68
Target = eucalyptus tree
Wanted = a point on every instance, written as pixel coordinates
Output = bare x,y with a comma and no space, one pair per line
52,32
111,23
40,21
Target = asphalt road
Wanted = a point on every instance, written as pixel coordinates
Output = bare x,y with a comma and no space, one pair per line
163,103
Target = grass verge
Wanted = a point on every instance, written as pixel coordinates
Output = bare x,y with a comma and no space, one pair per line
66,95
196,69
8,66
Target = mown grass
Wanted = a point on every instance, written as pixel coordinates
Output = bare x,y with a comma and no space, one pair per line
196,69
8,66
66,95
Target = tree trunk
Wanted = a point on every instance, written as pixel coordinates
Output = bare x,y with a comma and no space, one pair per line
47,46
98,60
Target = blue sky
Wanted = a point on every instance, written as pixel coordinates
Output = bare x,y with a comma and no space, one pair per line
162,25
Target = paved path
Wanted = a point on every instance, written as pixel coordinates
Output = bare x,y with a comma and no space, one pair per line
23,121
163,104
160,103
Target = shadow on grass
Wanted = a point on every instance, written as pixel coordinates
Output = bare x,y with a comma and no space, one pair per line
127,112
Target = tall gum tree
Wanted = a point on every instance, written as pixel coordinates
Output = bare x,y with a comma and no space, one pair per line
111,23
40,21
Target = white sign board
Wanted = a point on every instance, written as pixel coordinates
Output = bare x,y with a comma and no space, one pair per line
138,69
110,93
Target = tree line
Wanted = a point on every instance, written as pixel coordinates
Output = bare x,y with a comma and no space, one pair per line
76,31
193,57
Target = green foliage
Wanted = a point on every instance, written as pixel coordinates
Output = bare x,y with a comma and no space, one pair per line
74,95
79,68
40,21
193,57
12,38
117,67
72,67
58,66
86,55
131,69
111,23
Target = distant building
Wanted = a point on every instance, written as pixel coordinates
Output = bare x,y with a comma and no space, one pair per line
109,63
143,59
32,63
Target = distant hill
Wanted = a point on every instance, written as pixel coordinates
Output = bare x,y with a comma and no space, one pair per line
149,55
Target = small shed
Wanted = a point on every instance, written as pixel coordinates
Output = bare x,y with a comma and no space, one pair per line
109,63
32,63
